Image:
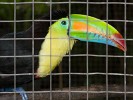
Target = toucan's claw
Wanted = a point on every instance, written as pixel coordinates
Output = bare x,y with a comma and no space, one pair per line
22,93
18,90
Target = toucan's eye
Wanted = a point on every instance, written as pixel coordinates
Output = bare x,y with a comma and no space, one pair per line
63,23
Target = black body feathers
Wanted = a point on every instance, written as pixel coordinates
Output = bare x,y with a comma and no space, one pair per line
23,51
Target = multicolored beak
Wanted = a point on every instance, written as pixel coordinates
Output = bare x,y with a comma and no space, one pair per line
87,28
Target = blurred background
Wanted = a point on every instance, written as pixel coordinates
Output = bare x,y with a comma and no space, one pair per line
116,11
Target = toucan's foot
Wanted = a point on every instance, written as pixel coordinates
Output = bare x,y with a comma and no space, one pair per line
18,89
22,93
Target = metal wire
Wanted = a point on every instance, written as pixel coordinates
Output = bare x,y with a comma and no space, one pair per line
107,94
73,55
69,54
14,49
125,56
33,90
39,20
125,68
87,58
72,2
50,50
66,91
90,73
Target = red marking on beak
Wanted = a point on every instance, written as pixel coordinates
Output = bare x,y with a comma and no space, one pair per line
119,41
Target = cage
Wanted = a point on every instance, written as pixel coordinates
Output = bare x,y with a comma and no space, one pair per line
89,71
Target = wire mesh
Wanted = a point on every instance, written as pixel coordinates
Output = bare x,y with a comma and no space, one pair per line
89,75
14,49
33,50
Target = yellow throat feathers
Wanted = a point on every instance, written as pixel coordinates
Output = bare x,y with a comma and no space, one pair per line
54,47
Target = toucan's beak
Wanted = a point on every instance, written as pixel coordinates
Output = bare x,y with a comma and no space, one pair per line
87,28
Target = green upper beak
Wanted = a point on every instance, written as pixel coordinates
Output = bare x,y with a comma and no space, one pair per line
87,28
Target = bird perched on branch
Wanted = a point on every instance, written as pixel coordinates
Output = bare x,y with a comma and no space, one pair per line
60,39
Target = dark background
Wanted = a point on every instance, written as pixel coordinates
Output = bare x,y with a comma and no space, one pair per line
97,8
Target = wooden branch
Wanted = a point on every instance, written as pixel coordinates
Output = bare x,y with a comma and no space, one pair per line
80,95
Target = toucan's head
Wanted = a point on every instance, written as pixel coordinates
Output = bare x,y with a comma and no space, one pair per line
87,28
76,27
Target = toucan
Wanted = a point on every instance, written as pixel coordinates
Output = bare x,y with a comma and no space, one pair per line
59,39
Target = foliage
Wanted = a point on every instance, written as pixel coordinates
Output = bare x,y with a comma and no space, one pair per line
23,12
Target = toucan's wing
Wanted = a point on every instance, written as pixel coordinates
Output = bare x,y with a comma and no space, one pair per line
23,47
